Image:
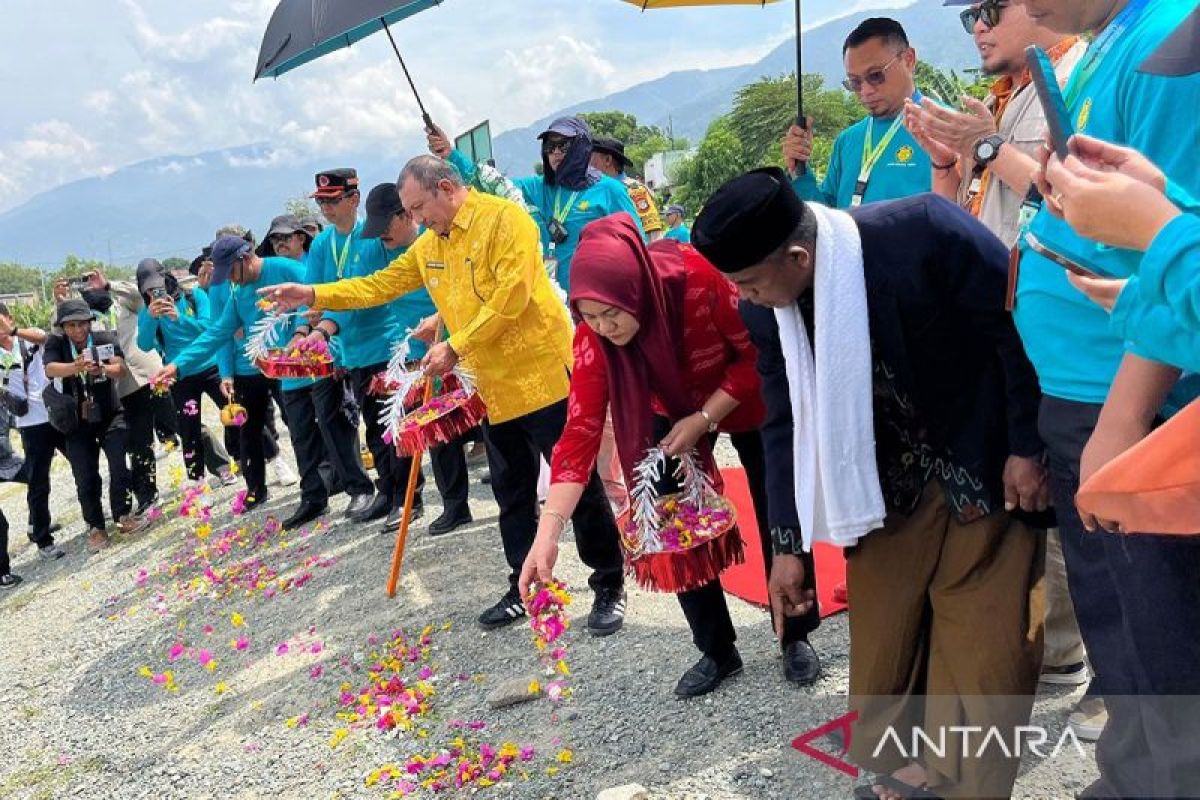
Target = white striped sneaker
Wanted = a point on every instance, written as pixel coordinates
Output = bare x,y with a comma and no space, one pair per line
608,612
506,612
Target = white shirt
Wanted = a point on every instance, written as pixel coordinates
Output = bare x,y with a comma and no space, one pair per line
37,383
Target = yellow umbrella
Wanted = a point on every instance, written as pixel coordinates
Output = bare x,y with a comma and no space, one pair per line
652,4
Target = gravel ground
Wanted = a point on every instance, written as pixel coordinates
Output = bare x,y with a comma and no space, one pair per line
78,720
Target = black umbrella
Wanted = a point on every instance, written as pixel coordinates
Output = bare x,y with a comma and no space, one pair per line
304,30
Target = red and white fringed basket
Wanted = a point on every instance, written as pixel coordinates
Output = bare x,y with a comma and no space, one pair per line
310,364
443,419
681,541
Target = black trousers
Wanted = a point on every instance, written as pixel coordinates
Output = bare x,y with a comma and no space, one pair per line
270,436
139,421
5,564
307,443
448,461
39,443
191,430
166,421
513,449
340,436
83,451
749,448
1137,600
254,394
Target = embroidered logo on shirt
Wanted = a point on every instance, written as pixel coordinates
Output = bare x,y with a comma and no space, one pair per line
904,154
584,205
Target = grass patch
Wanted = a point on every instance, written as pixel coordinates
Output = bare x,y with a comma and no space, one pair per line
46,780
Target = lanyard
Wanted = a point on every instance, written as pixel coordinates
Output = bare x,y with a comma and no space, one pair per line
1095,54
561,212
871,155
75,352
340,260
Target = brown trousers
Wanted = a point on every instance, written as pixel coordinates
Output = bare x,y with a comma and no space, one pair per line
945,630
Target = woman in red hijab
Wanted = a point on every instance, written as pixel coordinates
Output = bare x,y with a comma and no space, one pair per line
662,346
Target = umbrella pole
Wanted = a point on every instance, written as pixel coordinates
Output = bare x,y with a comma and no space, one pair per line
801,168
425,114
410,492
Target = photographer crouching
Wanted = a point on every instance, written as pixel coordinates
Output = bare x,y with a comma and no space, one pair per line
83,404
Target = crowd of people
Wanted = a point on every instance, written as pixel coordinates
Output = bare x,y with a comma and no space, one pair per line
902,364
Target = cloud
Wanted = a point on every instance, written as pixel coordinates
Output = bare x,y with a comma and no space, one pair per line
191,45
543,76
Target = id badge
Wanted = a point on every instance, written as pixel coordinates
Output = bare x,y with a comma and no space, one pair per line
860,189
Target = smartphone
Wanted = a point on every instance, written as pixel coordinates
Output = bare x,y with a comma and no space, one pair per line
1069,264
78,284
105,352
158,293
1058,119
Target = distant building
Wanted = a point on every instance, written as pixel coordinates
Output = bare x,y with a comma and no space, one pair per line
18,298
660,166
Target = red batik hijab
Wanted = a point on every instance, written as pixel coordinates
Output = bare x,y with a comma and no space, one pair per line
611,265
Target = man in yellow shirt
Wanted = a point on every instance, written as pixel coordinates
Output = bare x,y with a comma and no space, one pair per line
480,258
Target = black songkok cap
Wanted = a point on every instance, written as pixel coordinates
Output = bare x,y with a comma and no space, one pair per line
747,219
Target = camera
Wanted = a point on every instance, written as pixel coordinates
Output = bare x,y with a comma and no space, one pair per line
558,231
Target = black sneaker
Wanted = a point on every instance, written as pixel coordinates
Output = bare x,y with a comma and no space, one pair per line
506,612
608,612
9,581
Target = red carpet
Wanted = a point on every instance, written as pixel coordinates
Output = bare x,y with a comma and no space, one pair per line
748,580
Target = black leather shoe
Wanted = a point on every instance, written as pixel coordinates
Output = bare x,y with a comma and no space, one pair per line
608,612
449,521
358,504
377,510
392,523
801,665
707,675
506,612
255,501
306,513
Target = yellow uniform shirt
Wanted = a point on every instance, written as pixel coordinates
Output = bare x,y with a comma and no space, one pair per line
643,201
487,280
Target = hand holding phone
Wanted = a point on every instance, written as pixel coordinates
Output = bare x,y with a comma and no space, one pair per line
1058,118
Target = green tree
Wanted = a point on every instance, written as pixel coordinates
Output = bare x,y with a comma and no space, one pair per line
173,264
721,156
948,87
301,207
641,141
614,124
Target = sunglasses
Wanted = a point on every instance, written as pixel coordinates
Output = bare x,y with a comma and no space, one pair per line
279,238
988,12
557,146
333,201
875,77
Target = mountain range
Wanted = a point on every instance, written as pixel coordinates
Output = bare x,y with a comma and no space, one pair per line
169,206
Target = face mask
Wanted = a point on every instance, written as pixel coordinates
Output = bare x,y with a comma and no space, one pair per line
97,299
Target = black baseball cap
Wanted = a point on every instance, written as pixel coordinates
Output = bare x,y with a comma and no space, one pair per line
150,275
383,204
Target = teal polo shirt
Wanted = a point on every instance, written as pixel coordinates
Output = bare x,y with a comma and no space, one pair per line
902,171
1067,337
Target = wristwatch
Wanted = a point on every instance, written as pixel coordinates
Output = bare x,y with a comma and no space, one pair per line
987,148
712,423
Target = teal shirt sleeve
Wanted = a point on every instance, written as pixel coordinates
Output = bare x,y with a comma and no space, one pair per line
1170,270
826,194
1182,198
147,338
319,268
1151,331
458,159
225,354
219,334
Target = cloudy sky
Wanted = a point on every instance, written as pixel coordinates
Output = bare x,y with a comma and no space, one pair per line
94,85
